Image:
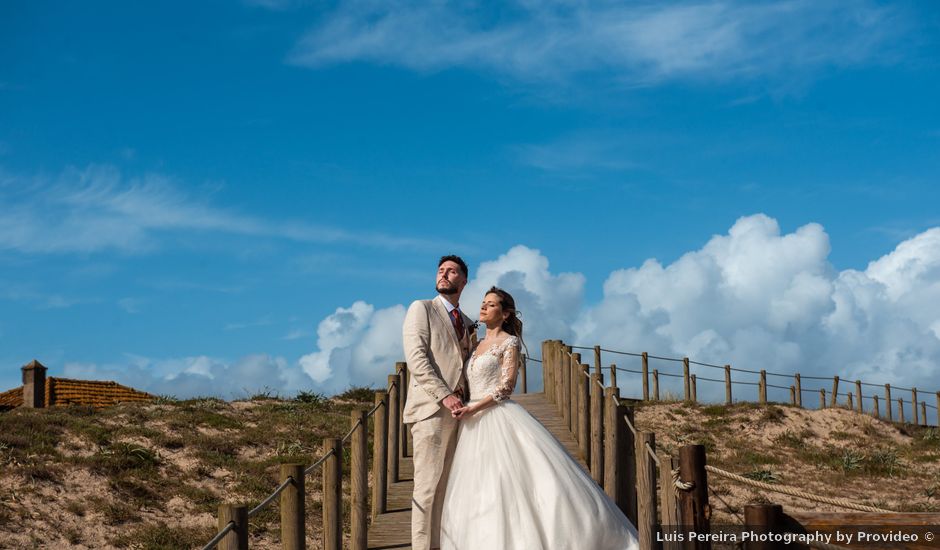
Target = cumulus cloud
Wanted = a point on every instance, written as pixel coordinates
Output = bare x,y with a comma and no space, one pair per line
357,346
638,43
754,297
760,299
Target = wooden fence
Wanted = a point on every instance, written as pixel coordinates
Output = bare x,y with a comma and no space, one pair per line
389,443
652,381
666,497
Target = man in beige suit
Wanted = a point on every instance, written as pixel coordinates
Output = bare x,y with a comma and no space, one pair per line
437,342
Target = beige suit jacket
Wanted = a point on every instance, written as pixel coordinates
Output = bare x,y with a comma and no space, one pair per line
435,357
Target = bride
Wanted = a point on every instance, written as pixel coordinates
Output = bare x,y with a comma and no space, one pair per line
512,485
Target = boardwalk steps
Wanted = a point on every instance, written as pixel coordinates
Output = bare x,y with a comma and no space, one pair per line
392,530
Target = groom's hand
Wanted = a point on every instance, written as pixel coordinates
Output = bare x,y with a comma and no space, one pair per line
452,402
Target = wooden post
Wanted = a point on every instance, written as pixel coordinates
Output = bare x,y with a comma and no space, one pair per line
292,508
793,395
914,411
394,426
613,375
762,388
822,398
610,443
597,359
667,502
693,504
938,408
798,384
584,412
848,401
574,367
237,538
597,428
646,490
646,376
877,409
333,494
559,377
687,383
564,367
834,398
694,390
627,462
380,456
547,385
858,395
655,384
358,480
403,376
923,412
763,519
523,376
888,402
620,459
727,384
901,410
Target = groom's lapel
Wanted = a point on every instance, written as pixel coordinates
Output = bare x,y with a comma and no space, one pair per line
445,319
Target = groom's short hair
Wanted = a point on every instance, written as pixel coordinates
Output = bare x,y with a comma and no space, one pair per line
457,260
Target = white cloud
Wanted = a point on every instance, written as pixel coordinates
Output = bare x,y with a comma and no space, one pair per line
755,297
639,43
760,299
98,209
357,346
199,376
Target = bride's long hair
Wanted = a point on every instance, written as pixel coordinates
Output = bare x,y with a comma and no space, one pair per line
513,324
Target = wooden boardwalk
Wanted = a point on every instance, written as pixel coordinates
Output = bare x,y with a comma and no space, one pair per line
392,530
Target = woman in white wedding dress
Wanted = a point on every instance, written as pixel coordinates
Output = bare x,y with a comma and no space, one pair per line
512,485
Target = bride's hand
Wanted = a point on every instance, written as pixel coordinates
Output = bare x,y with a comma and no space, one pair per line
463,412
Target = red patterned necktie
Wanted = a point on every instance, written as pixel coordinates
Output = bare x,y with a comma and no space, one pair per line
458,322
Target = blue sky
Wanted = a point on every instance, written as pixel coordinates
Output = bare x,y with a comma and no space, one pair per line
201,188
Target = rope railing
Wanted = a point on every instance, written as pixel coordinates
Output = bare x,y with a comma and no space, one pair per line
794,492
316,464
219,536
735,369
290,480
271,497
608,436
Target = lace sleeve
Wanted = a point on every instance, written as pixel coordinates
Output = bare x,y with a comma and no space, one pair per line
509,369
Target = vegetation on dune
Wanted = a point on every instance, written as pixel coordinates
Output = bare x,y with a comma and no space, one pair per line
152,475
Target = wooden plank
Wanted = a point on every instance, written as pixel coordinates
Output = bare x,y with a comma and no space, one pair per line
392,530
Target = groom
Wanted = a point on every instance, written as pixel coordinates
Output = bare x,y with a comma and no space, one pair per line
437,342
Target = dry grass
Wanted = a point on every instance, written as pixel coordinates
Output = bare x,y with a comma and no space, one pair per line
832,452
152,475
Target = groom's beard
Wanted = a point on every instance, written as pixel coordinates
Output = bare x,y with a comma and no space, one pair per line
447,289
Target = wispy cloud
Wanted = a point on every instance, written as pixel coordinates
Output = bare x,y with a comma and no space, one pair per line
578,155
39,299
130,305
96,208
262,322
639,44
297,334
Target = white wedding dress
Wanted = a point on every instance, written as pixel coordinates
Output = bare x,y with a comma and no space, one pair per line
512,485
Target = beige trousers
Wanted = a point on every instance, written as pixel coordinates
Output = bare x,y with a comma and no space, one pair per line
434,440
